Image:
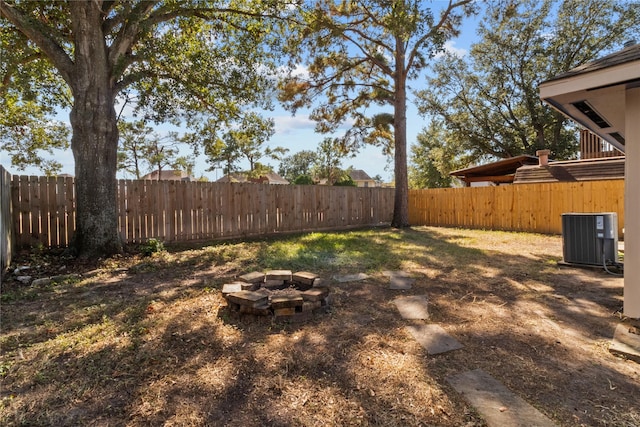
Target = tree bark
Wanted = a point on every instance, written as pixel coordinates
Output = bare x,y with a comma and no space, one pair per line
95,138
401,200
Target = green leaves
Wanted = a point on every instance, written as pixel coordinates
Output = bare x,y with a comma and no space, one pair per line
181,62
489,103
142,150
435,154
298,164
28,131
244,140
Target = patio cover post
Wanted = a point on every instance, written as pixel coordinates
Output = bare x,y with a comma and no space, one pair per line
632,205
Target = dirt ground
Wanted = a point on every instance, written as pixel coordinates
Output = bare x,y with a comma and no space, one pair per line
150,341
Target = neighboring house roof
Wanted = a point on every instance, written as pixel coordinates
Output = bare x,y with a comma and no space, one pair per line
274,178
233,177
572,170
499,172
360,175
269,178
593,94
171,175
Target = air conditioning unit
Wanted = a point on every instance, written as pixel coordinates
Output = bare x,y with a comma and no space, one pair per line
590,238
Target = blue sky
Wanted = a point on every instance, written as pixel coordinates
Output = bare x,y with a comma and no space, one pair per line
296,133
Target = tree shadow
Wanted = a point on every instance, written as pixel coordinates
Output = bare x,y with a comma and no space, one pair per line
158,346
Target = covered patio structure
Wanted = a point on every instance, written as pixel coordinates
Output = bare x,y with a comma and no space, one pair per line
500,172
604,96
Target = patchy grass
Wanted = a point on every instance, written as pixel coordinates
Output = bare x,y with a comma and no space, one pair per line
148,340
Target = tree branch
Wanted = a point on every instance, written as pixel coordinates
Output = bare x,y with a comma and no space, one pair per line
443,19
32,29
129,32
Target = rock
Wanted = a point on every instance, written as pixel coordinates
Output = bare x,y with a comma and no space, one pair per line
65,277
25,280
93,273
244,286
351,277
263,291
44,281
20,269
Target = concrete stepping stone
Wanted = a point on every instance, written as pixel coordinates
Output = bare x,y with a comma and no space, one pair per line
496,403
351,277
625,343
400,280
413,307
434,338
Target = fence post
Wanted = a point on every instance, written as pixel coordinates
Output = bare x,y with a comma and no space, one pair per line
6,220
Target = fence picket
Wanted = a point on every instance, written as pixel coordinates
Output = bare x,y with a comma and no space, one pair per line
7,242
521,207
43,209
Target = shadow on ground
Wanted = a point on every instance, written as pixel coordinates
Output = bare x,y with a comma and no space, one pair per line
154,343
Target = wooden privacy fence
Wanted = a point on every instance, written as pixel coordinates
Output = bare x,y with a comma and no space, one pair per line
521,207
6,228
180,211
43,209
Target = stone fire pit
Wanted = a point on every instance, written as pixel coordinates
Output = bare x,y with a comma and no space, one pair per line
278,293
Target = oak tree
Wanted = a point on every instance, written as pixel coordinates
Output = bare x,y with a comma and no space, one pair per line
180,58
297,164
488,101
246,141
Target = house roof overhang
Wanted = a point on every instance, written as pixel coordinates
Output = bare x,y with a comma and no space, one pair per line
594,94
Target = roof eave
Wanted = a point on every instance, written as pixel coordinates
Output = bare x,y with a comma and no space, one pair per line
589,85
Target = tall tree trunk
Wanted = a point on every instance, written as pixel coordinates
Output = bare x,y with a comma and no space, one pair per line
95,138
401,200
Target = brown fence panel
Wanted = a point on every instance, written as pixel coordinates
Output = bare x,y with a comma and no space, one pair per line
43,209
524,207
6,220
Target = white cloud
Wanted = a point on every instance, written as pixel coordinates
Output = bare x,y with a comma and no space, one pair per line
299,71
288,124
450,48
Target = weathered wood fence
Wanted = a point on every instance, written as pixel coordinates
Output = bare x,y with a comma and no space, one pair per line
521,207
42,210
6,226
180,211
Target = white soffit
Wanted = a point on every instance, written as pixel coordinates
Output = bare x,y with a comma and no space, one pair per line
603,90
